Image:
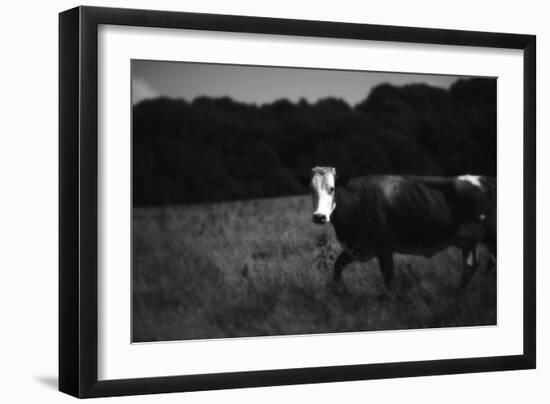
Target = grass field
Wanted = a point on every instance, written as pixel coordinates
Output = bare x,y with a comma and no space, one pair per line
261,267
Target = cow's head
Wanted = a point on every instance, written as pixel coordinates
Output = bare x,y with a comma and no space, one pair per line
323,182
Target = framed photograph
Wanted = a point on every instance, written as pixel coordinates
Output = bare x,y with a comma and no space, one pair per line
251,201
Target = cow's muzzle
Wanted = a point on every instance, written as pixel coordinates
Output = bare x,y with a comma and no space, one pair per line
319,218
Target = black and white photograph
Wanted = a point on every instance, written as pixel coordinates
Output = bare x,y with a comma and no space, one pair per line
274,201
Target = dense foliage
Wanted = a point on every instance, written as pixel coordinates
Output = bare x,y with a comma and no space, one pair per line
214,149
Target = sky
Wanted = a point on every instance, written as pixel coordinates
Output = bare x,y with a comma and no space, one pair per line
253,84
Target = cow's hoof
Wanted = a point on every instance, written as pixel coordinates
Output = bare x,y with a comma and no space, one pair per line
338,288
384,298
387,296
461,290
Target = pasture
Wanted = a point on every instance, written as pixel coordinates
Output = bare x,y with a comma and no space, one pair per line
260,267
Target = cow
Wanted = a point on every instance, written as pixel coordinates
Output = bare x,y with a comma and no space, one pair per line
379,215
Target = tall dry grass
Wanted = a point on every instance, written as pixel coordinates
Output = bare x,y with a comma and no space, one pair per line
261,267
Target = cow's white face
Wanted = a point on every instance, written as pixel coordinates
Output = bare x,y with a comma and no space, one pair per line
323,182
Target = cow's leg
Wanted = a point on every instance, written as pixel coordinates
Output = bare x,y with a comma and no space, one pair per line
341,262
491,241
385,259
492,261
470,259
491,264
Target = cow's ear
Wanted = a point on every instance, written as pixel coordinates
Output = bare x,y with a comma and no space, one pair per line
304,180
342,180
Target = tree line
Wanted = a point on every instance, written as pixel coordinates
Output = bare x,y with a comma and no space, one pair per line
217,149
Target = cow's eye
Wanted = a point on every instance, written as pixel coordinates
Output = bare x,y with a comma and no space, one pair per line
331,190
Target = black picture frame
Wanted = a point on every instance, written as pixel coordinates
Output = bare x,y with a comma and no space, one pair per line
78,201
